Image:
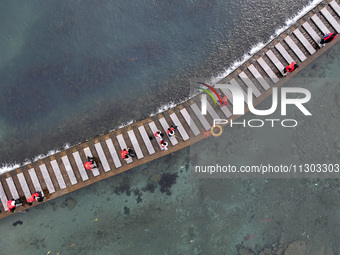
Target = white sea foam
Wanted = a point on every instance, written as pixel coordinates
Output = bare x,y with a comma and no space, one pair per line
213,80
164,108
123,125
8,167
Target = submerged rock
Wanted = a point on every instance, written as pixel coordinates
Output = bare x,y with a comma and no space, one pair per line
126,210
266,251
17,222
149,187
156,178
124,186
245,251
71,203
297,248
167,181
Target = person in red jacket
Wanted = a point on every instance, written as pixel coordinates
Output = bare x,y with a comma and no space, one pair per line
37,196
224,100
328,38
164,144
12,204
171,131
125,154
89,164
290,68
158,134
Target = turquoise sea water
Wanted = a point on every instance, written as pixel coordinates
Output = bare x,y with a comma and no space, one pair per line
72,70
129,214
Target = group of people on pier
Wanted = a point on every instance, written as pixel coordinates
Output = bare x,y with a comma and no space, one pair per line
12,203
126,153
325,39
160,136
90,164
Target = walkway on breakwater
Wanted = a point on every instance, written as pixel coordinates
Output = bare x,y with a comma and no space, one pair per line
64,172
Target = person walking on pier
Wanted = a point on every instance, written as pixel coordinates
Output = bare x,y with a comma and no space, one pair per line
125,154
171,131
224,99
158,134
37,196
12,204
164,145
89,165
290,68
328,38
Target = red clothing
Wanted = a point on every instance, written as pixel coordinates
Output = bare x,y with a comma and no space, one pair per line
88,165
158,134
11,204
329,36
291,67
164,144
224,100
33,197
124,153
171,129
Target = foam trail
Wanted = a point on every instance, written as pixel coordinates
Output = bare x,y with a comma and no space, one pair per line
8,167
254,49
164,108
123,125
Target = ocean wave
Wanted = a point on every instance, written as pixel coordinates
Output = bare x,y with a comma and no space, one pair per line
165,107
124,124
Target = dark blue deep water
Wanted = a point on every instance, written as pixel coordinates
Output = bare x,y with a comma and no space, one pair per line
72,70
